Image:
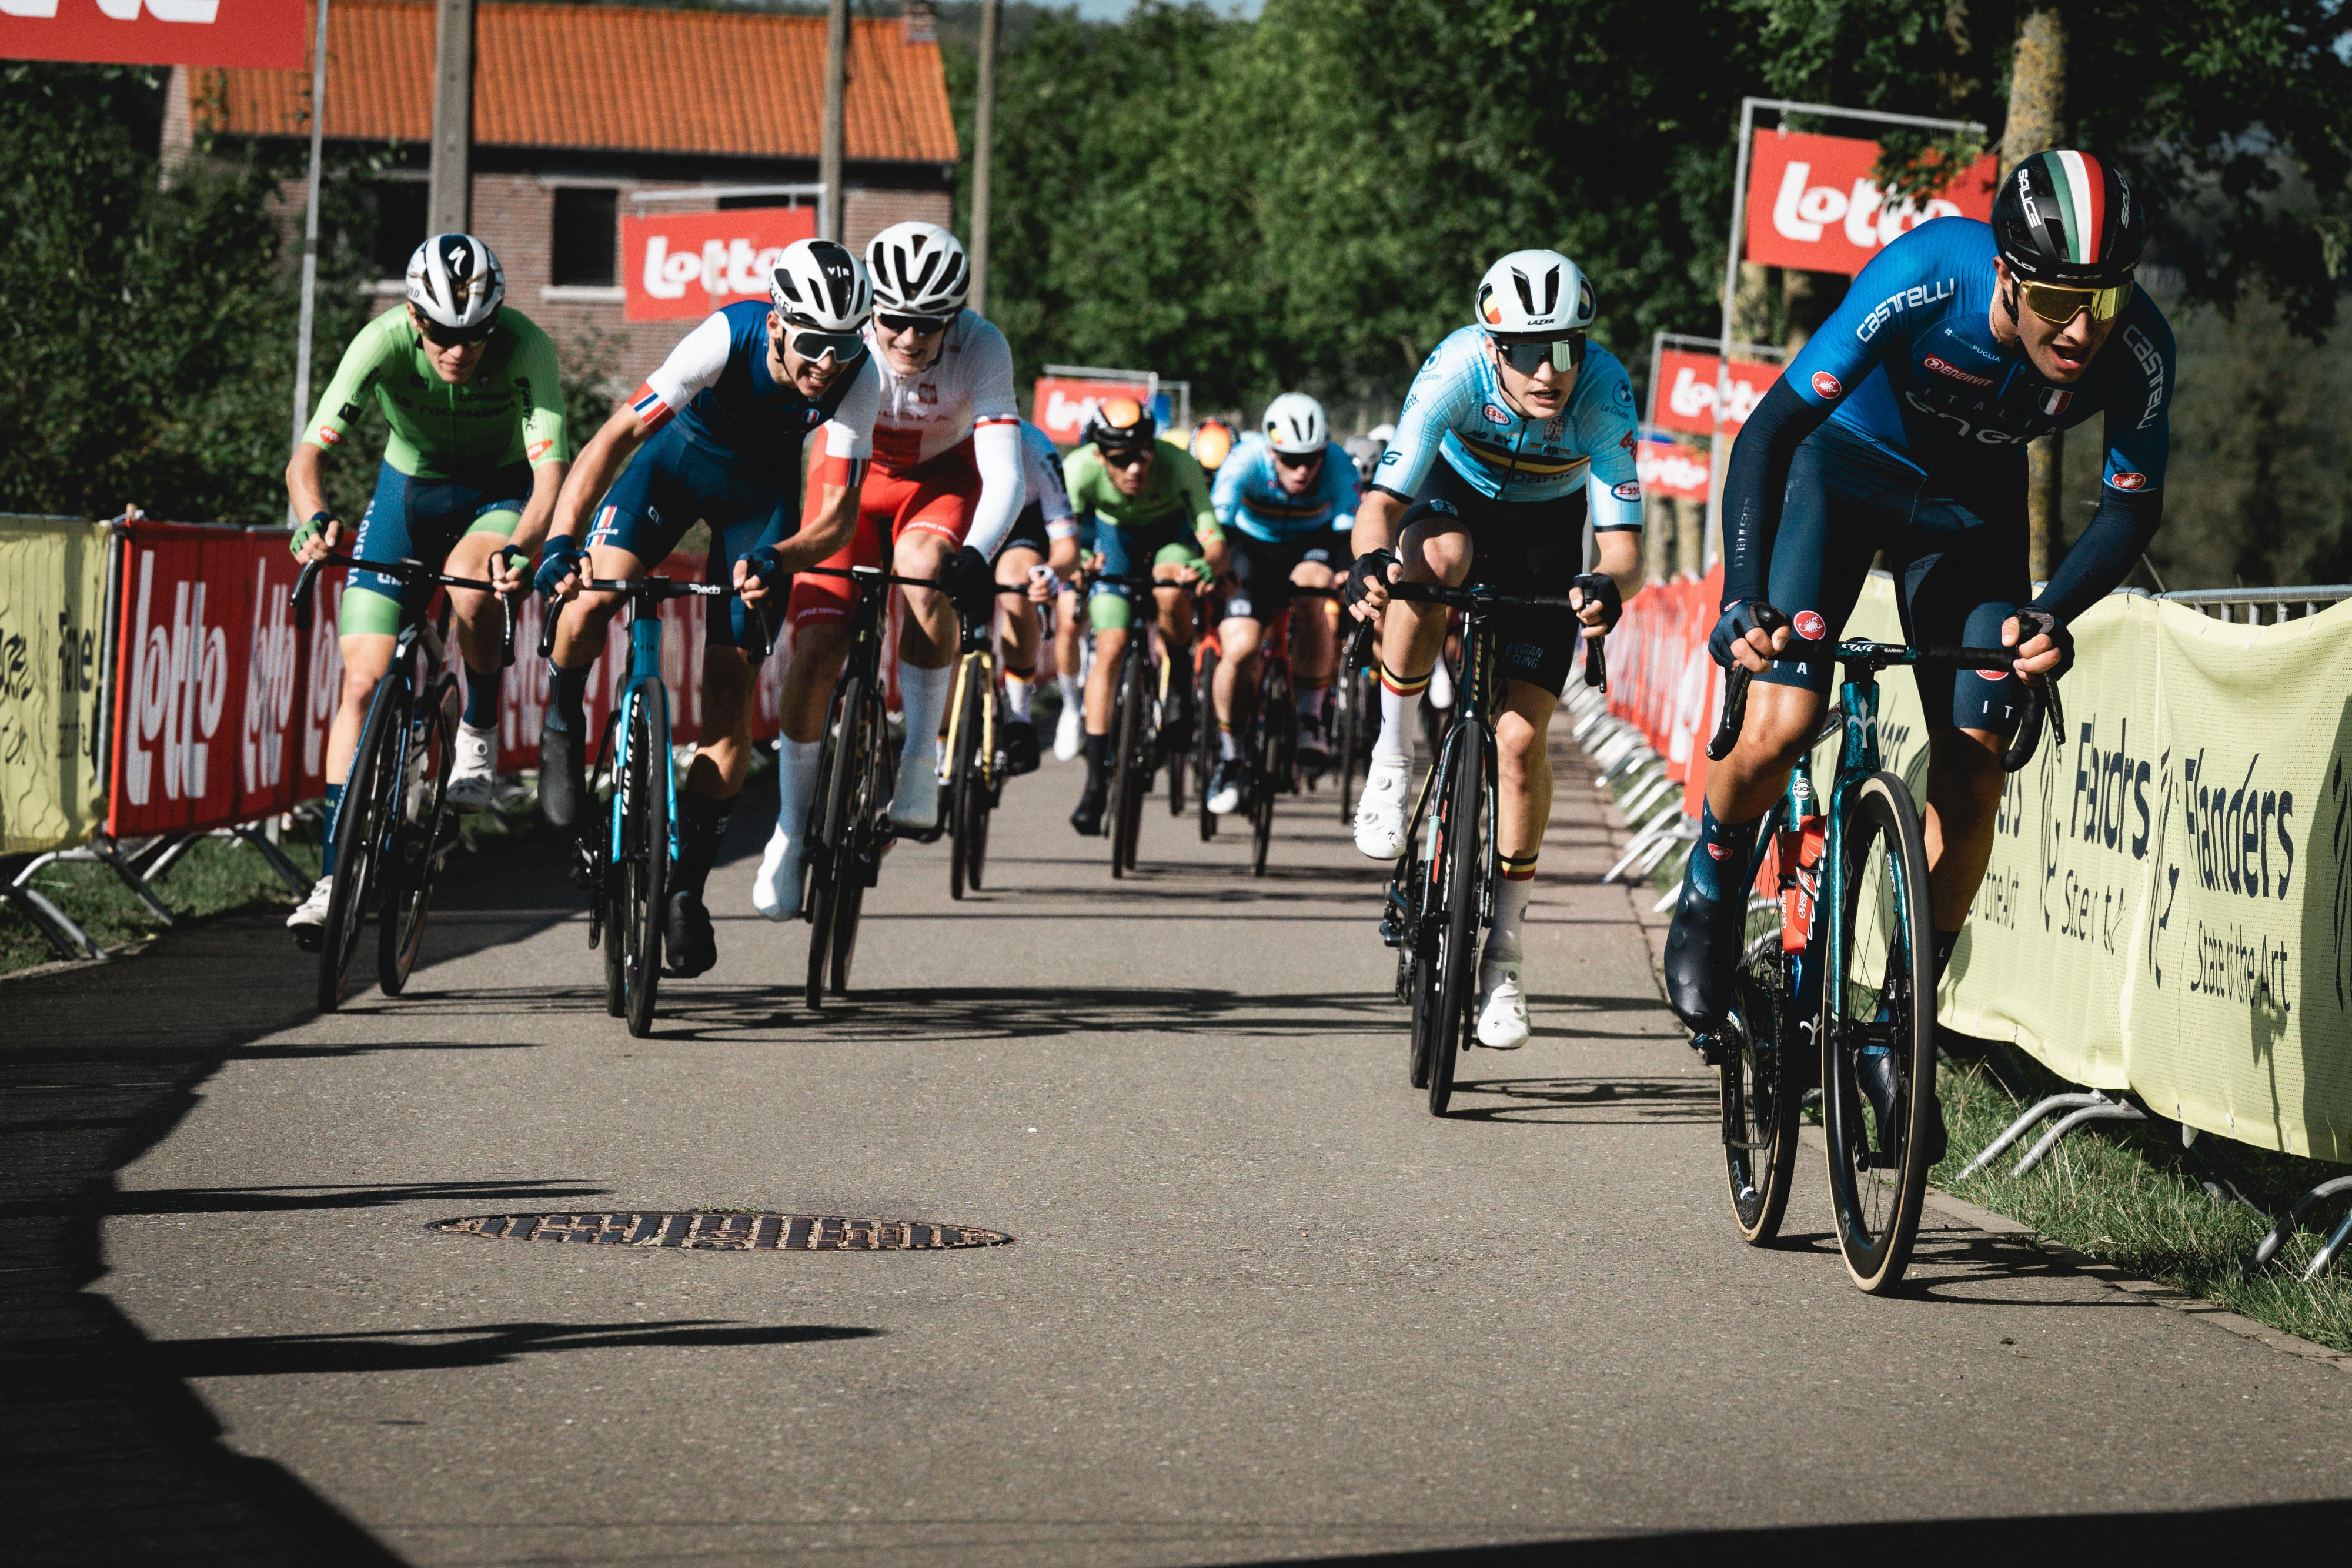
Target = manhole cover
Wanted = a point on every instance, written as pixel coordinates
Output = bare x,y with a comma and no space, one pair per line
727,1232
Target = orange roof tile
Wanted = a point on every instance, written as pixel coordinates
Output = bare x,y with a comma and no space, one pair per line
606,78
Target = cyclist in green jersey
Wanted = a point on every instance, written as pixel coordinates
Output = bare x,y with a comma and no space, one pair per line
469,477
1149,503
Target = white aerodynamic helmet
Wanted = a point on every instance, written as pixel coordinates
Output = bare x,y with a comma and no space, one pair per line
1534,291
822,284
1294,424
456,282
918,269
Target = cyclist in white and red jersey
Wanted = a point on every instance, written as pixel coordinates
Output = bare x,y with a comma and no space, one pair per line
943,492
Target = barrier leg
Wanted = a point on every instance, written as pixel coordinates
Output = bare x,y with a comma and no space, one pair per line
65,938
1640,841
108,852
2105,1111
2024,1123
287,870
2292,1218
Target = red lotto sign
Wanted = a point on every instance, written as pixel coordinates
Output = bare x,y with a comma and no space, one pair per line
1812,205
1670,468
1062,408
683,266
1685,395
266,33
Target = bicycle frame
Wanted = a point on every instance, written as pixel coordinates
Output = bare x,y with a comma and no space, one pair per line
644,666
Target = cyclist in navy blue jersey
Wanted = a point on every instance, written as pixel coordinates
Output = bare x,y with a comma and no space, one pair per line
1902,427
716,434
1287,499
1515,435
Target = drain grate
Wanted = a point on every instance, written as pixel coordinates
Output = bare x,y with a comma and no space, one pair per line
727,1232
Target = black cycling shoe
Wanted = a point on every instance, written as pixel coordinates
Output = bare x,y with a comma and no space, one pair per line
1176,722
690,946
1087,819
1020,747
1702,953
1874,1070
562,778
1314,754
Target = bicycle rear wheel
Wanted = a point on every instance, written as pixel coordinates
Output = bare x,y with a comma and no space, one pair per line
1128,776
1345,721
966,791
1763,1075
829,856
871,789
1877,1180
1457,872
416,847
371,796
648,866
1204,741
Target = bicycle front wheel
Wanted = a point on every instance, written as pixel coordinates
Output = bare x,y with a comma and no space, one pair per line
1885,1010
648,866
1459,871
871,789
371,799
1127,734
1204,741
1764,1073
966,789
416,847
828,857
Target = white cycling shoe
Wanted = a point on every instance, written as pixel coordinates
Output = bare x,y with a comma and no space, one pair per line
916,806
1379,814
309,917
1069,734
476,773
1502,1006
776,891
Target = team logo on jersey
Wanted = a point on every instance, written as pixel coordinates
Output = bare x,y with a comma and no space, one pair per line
537,450
1945,368
1628,491
1810,625
1720,851
1994,675
1494,415
330,436
2127,480
2054,402
1826,384
1624,394
926,391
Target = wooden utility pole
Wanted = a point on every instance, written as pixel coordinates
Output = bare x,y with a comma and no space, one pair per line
984,148
836,83
449,203
2037,108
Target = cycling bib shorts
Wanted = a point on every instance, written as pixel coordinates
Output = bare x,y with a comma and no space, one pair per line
423,519
935,498
1958,552
674,483
1262,585
1131,552
1535,547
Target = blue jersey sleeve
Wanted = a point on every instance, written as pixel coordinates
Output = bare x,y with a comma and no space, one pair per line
1901,282
1336,488
2140,413
1225,496
1606,431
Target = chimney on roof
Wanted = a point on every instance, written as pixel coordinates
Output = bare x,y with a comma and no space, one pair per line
921,21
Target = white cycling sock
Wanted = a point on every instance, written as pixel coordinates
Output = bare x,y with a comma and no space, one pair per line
1517,880
923,694
1310,699
1074,692
1227,747
796,763
1016,696
1399,715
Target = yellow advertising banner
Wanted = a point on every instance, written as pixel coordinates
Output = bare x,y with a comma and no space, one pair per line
52,617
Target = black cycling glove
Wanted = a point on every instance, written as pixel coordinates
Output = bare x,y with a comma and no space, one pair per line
2033,624
1369,568
971,582
559,557
1737,620
1602,587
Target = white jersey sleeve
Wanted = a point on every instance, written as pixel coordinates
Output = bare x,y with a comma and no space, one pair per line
1040,472
996,453
849,435
694,366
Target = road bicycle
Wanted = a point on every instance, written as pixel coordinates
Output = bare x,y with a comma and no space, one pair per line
1442,894
395,824
1355,716
1208,652
625,866
1138,698
1837,959
977,765
1272,747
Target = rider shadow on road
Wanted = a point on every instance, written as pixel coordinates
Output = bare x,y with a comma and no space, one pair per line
281,1199
484,1345
945,1015
1589,1102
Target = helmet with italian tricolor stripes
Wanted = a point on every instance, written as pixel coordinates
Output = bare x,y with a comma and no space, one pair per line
2071,218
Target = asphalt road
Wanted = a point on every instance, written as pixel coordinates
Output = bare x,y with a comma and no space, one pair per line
1261,1305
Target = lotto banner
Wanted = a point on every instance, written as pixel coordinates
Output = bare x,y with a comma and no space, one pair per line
1685,397
1813,202
266,35
205,672
52,613
1061,407
680,267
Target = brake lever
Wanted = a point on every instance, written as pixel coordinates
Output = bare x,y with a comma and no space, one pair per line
1735,712
1596,662
299,598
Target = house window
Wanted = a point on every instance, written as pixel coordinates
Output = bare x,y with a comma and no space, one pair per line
400,208
587,226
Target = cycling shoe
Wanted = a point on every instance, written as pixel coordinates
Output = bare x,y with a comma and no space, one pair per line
562,778
1874,1068
1702,956
689,943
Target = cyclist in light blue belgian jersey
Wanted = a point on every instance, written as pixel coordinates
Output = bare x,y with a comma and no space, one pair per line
1286,501
1515,432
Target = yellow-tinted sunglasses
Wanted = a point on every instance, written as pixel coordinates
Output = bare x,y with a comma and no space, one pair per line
2057,303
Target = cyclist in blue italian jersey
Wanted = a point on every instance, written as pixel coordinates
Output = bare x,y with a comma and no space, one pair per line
1515,435
1286,501
716,434
1902,427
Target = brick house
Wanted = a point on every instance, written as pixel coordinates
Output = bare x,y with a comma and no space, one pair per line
581,114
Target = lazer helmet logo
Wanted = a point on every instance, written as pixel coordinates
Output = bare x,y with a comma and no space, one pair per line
1826,384
1810,625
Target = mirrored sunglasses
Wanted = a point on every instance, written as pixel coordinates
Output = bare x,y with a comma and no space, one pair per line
2056,302
1527,357
812,345
921,325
